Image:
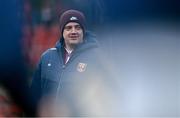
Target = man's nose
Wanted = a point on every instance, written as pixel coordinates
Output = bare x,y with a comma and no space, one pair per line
73,30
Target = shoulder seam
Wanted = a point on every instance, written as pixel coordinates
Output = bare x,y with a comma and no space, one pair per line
49,50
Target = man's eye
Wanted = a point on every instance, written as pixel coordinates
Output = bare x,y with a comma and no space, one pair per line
67,28
78,27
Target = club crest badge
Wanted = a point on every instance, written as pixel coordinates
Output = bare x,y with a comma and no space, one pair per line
81,67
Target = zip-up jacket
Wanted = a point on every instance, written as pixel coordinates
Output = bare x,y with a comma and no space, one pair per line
78,84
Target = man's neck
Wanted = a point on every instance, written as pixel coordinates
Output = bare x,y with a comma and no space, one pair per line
69,49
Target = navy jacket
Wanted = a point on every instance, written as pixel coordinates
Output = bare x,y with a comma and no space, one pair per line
75,83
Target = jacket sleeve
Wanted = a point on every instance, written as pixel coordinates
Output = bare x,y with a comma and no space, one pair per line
36,87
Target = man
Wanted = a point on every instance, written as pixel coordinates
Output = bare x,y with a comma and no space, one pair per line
70,78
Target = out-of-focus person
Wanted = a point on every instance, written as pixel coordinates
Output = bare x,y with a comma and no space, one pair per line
70,79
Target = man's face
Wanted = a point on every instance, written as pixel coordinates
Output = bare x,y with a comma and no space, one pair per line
73,33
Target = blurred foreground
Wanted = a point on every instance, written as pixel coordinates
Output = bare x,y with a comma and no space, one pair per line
141,42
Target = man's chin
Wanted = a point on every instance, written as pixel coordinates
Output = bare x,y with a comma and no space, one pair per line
74,42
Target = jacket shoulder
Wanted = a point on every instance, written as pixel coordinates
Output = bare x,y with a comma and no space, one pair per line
48,53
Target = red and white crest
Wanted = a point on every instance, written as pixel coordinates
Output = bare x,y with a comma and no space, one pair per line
81,67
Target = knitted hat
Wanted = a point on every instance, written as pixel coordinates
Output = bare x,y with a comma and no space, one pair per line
72,16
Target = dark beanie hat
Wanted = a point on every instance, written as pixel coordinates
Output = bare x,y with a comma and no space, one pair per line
72,16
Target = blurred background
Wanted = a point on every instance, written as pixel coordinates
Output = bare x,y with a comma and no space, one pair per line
140,37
